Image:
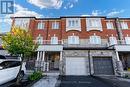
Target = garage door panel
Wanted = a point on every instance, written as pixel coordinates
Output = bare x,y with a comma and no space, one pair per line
103,66
76,66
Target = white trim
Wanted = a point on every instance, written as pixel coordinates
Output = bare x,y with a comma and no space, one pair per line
112,40
93,24
73,24
95,39
73,39
23,23
124,25
40,25
55,25
127,40
109,25
54,40
39,39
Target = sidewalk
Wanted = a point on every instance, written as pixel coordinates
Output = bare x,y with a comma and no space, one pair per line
49,81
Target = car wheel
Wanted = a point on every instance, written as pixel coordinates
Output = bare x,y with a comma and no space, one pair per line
21,75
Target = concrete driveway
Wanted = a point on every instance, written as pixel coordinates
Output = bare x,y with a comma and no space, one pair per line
82,81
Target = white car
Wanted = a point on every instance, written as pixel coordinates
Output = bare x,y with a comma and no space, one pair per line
9,69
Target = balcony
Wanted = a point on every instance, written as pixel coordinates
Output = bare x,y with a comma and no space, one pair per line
121,46
47,45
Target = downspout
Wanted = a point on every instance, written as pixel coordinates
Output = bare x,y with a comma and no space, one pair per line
89,62
120,37
47,30
46,56
119,30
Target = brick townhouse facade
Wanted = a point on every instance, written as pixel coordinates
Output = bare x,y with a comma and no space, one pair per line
76,45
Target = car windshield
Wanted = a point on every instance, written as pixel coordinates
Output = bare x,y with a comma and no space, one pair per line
9,64
2,57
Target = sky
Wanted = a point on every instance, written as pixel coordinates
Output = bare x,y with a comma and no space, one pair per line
58,8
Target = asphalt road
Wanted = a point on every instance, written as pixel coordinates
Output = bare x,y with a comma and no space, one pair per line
82,81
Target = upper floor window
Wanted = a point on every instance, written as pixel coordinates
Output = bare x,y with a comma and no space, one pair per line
95,39
110,25
73,39
124,25
73,24
127,40
54,40
112,40
39,39
93,24
40,25
55,25
23,23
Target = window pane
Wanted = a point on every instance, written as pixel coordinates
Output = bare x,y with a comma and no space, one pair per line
73,39
124,25
127,40
39,40
95,40
112,40
54,40
109,25
40,25
55,25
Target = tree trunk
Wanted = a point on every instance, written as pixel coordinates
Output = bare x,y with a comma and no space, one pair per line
18,75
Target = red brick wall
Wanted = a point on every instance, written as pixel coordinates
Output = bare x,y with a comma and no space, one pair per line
61,33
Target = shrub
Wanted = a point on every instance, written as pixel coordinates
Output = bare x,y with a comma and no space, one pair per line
35,76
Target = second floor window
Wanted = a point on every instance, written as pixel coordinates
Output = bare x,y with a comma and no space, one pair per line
41,25
95,39
127,40
55,25
112,40
110,25
39,39
73,39
54,40
124,25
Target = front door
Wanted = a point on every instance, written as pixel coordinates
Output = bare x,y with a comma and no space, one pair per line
53,59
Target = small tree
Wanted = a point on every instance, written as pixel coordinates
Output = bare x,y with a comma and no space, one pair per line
19,42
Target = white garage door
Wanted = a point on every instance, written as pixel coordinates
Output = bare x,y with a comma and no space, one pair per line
76,66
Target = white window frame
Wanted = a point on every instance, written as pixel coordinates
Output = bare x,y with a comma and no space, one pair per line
124,25
73,39
23,23
40,25
55,25
39,39
95,39
127,40
73,24
112,40
109,25
93,24
54,40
